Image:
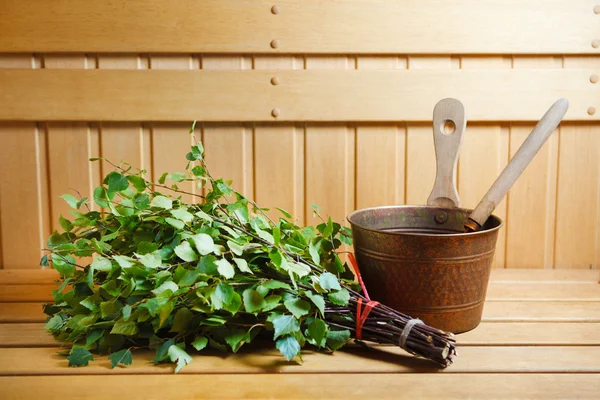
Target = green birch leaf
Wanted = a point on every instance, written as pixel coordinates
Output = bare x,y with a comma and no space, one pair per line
168,285
65,223
225,268
151,260
116,183
329,281
176,176
204,243
235,338
253,301
235,248
101,264
177,354
70,200
120,357
124,261
242,265
185,252
276,236
288,346
298,307
175,223
285,324
317,300
189,278
273,284
138,182
200,342
54,323
317,331
313,250
337,339
285,213
182,214
162,202
339,297
126,311
141,201
122,327
79,357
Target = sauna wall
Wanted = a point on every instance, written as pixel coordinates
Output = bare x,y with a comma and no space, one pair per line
313,152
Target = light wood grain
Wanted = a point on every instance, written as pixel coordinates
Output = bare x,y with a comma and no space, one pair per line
21,312
380,150
333,386
249,26
22,185
229,148
27,293
279,151
330,156
541,311
543,291
311,95
383,359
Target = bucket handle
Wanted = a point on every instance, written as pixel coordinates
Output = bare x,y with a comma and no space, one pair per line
449,123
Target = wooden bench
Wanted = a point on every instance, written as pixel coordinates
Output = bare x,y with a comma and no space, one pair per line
539,338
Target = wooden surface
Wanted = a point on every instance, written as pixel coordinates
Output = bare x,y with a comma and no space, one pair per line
357,26
545,343
313,94
356,84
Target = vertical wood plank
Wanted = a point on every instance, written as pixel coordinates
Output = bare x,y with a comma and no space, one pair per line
70,146
484,154
380,151
279,152
121,141
420,152
170,142
532,200
23,186
578,198
330,157
230,148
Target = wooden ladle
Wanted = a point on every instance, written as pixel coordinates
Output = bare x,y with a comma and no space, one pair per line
517,165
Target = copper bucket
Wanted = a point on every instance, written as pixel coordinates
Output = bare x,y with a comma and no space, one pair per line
417,260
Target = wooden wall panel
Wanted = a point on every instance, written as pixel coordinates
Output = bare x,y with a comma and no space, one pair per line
330,158
170,142
24,224
484,154
279,152
123,141
230,147
324,95
577,200
343,26
380,150
532,200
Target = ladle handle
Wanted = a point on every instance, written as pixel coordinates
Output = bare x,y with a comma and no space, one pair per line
517,164
448,126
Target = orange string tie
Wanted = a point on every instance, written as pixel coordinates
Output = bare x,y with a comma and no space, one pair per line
361,313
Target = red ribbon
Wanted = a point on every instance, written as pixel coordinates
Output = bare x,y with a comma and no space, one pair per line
361,313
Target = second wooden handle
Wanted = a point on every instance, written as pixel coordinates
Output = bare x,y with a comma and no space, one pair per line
517,164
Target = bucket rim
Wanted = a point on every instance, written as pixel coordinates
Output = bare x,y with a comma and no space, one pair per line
406,206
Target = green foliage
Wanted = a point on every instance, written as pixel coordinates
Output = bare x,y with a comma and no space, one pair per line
179,277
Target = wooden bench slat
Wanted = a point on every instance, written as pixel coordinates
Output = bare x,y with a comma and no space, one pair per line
334,386
486,334
28,276
541,311
21,312
382,359
543,291
27,293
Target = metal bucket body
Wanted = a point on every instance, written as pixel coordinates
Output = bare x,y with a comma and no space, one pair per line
417,260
